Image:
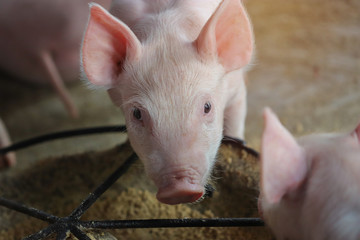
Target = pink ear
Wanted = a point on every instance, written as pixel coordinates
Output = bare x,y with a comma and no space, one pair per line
227,35
106,45
283,161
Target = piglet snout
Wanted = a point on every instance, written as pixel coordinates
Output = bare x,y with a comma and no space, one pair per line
176,189
180,191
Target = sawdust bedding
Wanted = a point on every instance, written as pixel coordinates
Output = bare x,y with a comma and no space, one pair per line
58,185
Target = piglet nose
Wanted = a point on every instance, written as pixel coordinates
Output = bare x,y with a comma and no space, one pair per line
178,191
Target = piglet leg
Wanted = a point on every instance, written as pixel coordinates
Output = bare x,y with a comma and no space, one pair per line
58,83
8,159
235,114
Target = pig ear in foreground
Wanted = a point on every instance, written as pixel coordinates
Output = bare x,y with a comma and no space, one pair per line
106,45
283,161
228,36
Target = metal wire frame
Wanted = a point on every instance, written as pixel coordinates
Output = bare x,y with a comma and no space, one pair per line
73,224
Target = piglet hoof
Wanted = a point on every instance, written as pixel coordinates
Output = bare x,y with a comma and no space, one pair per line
7,160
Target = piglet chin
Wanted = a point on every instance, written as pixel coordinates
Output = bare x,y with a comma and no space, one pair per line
180,191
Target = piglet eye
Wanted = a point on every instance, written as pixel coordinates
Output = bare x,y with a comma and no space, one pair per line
137,114
207,107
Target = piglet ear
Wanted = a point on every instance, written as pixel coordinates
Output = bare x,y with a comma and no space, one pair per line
227,35
283,161
106,45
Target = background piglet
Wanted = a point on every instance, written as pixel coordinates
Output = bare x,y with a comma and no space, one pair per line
310,187
40,43
176,70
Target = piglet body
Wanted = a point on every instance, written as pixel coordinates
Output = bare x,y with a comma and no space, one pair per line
310,188
176,70
39,43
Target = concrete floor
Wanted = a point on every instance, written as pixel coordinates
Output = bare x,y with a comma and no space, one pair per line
307,69
308,65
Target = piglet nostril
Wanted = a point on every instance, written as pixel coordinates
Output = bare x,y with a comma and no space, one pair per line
178,178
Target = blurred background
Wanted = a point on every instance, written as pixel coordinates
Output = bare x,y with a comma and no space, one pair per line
307,69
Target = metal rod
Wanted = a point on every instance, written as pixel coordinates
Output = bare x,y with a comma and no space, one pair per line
175,223
33,212
94,130
78,233
61,234
63,134
79,211
251,151
42,233
241,144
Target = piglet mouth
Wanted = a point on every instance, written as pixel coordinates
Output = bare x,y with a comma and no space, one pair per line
179,188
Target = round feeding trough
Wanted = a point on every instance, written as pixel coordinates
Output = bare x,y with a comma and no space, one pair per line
106,195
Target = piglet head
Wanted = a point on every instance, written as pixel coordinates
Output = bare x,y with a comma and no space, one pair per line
170,90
